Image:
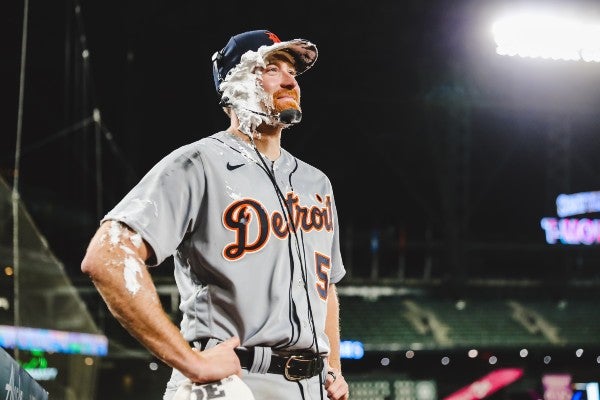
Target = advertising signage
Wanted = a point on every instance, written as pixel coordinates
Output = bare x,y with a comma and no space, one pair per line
568,229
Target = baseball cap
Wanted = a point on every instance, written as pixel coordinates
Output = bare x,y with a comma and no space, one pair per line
230,388
303,51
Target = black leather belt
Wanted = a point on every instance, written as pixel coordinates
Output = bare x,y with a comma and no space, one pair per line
293,366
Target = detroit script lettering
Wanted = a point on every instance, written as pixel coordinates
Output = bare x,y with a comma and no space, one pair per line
242,214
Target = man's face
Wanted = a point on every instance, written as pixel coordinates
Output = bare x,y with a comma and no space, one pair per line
279,81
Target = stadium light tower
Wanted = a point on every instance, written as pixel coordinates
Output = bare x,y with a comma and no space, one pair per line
548,35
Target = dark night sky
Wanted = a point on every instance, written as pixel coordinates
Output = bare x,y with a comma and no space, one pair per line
396,86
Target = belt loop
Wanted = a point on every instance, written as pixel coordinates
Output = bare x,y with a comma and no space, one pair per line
262,360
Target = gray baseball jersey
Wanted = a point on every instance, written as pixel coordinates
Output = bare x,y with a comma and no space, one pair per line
239,269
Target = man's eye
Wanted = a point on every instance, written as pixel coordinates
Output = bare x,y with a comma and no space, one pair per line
272,70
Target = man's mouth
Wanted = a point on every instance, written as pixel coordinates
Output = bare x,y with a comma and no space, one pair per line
285,100
286,95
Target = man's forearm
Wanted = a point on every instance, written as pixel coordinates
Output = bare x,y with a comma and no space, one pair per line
332,327
142,315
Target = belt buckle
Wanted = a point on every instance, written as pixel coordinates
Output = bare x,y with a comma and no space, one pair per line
286,373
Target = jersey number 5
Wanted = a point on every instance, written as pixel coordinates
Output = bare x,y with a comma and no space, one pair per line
322,266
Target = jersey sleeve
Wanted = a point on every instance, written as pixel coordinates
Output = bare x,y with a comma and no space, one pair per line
163,206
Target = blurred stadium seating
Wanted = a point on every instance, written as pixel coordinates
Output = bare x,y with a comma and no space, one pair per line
395,322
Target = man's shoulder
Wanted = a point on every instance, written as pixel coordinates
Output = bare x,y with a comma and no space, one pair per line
193,149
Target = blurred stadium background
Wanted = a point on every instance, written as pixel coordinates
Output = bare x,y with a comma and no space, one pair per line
445,156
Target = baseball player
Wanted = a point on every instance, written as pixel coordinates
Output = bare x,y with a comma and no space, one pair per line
254,235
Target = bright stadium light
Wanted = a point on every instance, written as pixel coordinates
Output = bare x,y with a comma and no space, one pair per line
548,36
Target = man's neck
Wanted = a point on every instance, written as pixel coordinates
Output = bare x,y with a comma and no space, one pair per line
267,140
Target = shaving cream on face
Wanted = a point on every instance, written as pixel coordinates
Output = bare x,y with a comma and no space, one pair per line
243,90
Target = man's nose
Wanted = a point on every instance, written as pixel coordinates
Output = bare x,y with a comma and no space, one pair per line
288,80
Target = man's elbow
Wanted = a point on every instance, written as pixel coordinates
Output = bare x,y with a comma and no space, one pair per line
90,264
94,254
